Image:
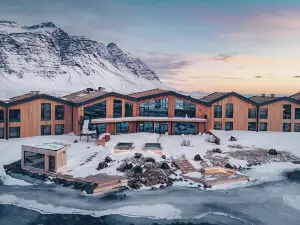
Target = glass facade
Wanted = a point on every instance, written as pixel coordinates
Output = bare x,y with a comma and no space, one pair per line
14,132
297,127
184,109
1,133
59,112
96,111
229,111
161,127
263,126
252,113
45,130
263,113
100,126
287,111
228,126
1,116
297,113
155,108
286,127
146,127
59,129
185,128
122,127
217,111
45,111
128,109
35,160
217,125
14,115
252,126
117,108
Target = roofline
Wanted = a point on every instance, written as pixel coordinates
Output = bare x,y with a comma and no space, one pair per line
233,94
279,99
294,94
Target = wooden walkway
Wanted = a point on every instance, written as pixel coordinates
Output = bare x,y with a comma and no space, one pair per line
184,165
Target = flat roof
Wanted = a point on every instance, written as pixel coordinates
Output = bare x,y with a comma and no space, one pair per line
52,146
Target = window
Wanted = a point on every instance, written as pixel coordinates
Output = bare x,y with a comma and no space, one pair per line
252,126
218,111
229,111
146,127
297,127
59,112
184,109
287,112
286,127
35,160
185,128
1,116
228,125
117,108
14,132
46,130
122,127
155,108
263,126
1,132
263,113
14,115
96,111
252,113
217,125
161,127
297,113
59,129
46,111
101,127
128,109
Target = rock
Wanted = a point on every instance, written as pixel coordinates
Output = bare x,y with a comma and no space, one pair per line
149,165
129,166
228,166
134,184
143,180
163,156
108,159
138,155
76,141
125,166
102,165
207,186
217,150
165,166
149,159
153,188
138,169
273,152
198,158
161,186
296,162
232,138
234,167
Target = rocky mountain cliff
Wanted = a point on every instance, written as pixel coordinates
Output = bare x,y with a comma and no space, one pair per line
45,56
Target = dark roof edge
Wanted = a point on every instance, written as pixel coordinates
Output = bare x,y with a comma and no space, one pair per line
2,103
279,99
233,94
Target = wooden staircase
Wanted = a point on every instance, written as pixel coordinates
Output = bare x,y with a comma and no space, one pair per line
184,165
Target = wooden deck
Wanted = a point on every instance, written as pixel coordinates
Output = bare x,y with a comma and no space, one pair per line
184,165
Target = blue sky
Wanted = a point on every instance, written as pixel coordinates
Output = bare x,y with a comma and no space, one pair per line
249,46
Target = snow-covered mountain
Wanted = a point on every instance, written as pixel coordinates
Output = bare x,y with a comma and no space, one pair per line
44,57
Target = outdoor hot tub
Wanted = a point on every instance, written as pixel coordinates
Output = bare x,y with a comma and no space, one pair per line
124,147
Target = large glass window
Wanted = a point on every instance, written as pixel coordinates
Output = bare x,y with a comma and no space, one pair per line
252,126
218,111
59,112
184,109
185,128
96,111
297,113
1,116
229,111
252,113
263,126
35,160
1,132
122,127
59,129
101,127
287,111
161,127
46,130
14,115
117,108
146,127
286,127
217,125
14,132
128,109
297,127
263,113
45,111
156,108
228,126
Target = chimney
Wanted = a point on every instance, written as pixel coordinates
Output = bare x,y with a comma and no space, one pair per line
34,92
89,90
273,95
263,95
100,88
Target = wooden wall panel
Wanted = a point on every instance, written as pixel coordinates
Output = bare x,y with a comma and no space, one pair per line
2,125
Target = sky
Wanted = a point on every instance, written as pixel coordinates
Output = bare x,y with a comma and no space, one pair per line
247,46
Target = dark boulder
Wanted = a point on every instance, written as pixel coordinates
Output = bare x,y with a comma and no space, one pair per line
134,184
273,152
108,159
165,166
149,159
296,162
75,141
162,186
198,158
217,150
138,169
102,165
228,166
163,157
125,166
138,155
129,166
232,138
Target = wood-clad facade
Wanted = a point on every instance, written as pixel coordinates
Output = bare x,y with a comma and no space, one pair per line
2,121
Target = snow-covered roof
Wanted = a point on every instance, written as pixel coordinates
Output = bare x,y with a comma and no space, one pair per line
53,146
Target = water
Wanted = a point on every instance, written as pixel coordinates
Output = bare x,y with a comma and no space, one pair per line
274,203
